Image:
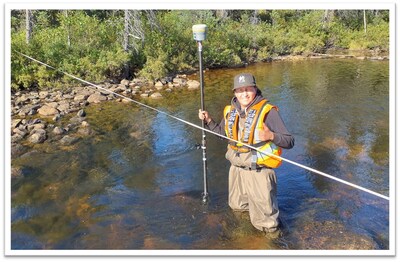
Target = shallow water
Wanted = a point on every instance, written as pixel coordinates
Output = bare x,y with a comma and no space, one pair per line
137,182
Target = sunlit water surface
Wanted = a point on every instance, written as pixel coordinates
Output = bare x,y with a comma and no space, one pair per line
137,182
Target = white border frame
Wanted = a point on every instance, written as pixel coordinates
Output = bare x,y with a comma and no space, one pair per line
355,4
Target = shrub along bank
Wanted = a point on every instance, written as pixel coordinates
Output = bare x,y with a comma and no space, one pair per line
99,45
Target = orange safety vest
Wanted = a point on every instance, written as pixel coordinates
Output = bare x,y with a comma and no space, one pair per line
254,121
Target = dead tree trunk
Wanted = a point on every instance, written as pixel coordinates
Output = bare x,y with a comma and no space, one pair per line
125,43
365,23
68,34
28,25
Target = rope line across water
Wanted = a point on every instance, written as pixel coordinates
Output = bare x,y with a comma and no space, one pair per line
211,132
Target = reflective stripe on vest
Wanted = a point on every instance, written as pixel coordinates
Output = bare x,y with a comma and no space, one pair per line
254,121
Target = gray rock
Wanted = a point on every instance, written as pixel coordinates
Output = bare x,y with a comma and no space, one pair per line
43,94
86,131
116,89
64,106
121,87
30,154
28,110
159,85
193,84
81,113
21,100
15,123
68,96
52,104
17,131
56,117
58,131
39,126
34,121
156,96
179,81
124,100
17,150
32,112
16,172
22,113
76,120
125,82
127,92
16,138
96,98
47,111
38,136
67,140
81,97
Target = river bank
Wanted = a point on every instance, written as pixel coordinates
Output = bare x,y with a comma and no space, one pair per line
360,55
36,115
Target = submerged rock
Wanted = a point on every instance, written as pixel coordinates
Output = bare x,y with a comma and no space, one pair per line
331,235
17,150
16,172
68,140
193,84
58,131
85,130
156,95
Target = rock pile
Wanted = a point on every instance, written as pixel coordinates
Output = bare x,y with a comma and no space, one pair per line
36,114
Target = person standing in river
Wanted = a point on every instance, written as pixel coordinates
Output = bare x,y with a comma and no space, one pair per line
251,120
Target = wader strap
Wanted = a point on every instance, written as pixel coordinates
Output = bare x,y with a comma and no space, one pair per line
253,159
259,144
258,169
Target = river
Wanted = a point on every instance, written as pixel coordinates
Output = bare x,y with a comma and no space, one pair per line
136,183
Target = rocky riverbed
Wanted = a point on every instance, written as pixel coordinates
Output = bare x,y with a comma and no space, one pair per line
36,116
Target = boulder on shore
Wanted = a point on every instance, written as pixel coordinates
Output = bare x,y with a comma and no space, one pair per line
96,98
47,111
38,136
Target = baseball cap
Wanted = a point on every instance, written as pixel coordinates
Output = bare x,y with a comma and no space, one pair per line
243,80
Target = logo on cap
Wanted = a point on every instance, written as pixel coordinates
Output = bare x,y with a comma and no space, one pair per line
242,79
